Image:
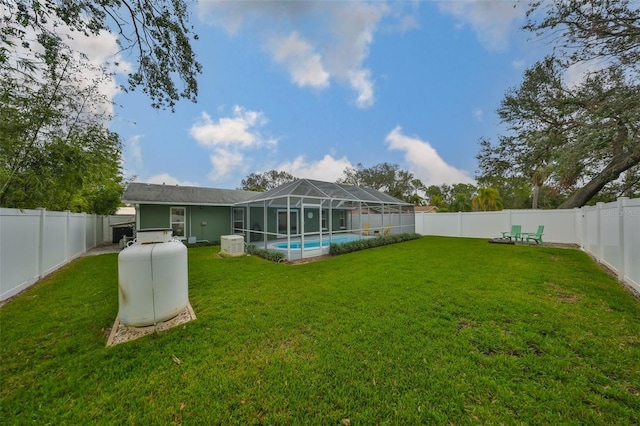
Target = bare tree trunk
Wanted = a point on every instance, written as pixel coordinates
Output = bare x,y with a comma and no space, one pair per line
618,165
536,194
620,162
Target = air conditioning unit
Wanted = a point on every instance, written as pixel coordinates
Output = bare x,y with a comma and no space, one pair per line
232,245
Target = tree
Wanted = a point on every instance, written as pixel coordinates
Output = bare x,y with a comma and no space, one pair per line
156,32
577,138
436,196
487,199
385,177
266,181
55,151
604,30
515,191
461,203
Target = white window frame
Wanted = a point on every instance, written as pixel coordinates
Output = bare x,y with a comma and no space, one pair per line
295,224
184,221
235,229
343,219
323,221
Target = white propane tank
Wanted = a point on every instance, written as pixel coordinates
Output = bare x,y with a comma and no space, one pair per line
152,278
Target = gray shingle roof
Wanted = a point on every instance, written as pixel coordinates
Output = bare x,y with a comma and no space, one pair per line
147,193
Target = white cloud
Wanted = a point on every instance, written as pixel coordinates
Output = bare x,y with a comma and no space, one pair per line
240,130
326,40
225,163
576,73
491,20
361,81
407,23
478,114
167,179
424,161
299,57
518,64
353,25
135,150
230,139
328,169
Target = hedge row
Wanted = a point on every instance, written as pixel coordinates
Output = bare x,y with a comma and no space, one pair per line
274,256
336,249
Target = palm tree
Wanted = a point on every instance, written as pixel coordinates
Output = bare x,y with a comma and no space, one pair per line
460,204
487,199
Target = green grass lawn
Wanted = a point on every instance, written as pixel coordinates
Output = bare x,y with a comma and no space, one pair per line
431,331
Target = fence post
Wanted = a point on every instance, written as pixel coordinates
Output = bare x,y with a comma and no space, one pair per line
585,228
621,242
67,256
577,226
84,233
599,231
459,224
42,223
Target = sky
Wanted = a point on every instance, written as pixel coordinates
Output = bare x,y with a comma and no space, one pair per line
312,88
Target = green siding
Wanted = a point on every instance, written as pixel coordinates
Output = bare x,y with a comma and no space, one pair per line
154,216
218,220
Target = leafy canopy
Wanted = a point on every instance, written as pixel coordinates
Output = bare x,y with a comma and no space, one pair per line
385,177
265,181
154,32
55,149
575,138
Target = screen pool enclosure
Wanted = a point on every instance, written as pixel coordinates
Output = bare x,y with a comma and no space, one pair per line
302,218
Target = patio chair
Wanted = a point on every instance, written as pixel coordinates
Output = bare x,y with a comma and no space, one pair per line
365,229
514,234
537,236
387,229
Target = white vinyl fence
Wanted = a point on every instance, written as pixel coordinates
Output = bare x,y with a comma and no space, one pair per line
609,232
34,243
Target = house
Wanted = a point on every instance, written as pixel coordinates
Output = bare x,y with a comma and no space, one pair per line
427,209
200,213
302,209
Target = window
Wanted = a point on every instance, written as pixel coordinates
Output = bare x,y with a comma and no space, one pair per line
343,219
324,219
282,221
238,221
177,221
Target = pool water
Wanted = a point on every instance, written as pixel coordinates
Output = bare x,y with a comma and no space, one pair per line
316,243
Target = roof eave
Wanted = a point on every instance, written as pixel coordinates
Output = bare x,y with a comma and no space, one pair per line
180,203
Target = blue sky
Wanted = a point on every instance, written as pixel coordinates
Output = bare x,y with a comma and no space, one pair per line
313,87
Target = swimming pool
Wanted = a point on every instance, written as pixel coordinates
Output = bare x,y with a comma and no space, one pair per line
337,239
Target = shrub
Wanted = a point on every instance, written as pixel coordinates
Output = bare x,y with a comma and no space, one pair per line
274,256
201,244
343,248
